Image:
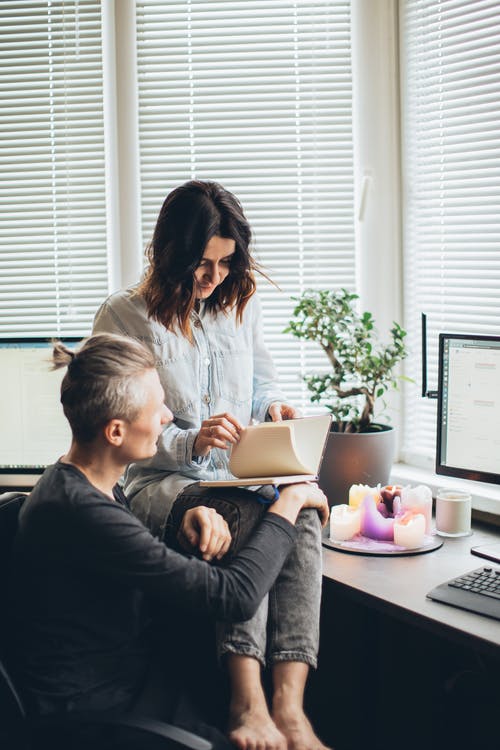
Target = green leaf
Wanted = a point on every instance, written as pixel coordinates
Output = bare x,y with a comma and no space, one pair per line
359,362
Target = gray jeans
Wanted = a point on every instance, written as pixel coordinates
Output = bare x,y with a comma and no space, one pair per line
286,625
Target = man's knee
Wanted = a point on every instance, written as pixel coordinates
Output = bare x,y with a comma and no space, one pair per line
240,509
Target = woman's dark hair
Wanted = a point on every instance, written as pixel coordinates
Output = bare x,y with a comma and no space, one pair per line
102,382
190,216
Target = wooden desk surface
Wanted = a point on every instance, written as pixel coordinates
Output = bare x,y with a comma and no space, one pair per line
397,586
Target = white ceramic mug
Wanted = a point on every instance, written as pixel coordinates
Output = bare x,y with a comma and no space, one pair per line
453,512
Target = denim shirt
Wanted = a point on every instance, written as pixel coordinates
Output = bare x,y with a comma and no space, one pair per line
226,368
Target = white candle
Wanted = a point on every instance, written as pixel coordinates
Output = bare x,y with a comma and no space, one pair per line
409,530
345,522
453,513
418,500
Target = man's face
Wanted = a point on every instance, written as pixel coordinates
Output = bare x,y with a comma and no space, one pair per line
142,434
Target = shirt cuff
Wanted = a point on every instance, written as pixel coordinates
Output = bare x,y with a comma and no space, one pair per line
185,451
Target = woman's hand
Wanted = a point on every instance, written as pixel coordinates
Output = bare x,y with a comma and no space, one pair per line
206,530
294,497
278,411
217,432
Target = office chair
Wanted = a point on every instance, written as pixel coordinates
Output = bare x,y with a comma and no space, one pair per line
20,732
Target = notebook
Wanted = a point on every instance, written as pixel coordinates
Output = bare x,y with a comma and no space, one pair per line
285,452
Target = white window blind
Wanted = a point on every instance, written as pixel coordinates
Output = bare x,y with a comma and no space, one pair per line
450,51
53,261
257,96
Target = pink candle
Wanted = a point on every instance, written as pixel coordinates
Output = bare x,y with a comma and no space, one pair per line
418,500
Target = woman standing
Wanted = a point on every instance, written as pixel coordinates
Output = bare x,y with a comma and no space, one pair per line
197,311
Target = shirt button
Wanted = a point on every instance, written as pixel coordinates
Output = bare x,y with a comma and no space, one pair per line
197,323
206,398
207,361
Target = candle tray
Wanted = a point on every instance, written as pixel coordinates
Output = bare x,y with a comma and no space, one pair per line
362,545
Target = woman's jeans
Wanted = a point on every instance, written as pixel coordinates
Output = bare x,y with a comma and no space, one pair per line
286,624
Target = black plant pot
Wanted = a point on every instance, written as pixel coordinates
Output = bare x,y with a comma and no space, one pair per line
356,458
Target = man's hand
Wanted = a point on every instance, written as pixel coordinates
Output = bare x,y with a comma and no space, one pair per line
278,411
217,432
206,530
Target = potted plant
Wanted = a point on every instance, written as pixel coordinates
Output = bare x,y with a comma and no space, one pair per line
362,370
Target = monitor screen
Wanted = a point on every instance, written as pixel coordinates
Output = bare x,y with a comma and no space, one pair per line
468,420
34,432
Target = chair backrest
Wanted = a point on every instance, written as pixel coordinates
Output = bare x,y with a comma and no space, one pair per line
10,505
12,725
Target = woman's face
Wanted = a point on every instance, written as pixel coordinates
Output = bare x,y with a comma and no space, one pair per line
214,266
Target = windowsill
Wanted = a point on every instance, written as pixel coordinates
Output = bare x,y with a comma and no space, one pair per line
485,497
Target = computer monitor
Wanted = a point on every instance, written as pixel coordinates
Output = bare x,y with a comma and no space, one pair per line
33,429
468,420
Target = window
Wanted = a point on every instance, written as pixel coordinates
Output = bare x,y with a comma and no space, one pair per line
450,52
53,265
257,96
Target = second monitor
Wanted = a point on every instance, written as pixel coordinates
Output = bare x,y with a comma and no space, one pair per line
468,420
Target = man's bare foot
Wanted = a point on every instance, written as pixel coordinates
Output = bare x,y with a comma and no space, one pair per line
297,729
254,728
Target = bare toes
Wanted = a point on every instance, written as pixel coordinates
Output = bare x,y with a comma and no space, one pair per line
251,730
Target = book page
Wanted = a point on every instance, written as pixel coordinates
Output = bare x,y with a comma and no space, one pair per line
294,446
267,449
309,436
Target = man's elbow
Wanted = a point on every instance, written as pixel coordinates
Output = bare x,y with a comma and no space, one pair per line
242,607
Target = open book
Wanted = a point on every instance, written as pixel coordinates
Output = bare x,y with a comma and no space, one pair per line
277,453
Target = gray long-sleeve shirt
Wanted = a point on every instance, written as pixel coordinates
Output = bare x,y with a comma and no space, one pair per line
84,569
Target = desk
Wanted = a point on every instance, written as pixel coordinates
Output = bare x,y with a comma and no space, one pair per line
397,586
388,654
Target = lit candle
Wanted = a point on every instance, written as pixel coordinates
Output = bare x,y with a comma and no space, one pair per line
345,522
409,530
358,492
373,523
418,500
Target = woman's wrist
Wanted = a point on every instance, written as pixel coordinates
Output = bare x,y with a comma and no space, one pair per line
288,503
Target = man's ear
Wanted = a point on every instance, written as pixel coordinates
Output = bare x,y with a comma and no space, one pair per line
114,431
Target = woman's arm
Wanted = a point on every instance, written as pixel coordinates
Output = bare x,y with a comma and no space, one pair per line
293,497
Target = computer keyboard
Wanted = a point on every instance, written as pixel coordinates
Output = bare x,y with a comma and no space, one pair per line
477,591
